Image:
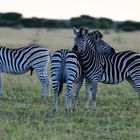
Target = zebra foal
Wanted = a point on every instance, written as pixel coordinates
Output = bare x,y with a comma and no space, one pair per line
21,60
65,68
107,68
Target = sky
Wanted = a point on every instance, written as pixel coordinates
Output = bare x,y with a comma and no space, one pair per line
118,10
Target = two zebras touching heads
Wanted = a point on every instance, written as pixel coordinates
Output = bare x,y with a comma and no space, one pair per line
91,58
99,63
66,67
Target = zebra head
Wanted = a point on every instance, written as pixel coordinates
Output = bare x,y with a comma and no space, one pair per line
96,43
79,41
96,35
90,40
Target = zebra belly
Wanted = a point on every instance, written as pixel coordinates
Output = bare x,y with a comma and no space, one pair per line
110,79
12,71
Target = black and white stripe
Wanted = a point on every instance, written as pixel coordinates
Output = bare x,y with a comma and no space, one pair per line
65,68
110,69
21,60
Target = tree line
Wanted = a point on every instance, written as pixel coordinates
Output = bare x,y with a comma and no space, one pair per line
16,20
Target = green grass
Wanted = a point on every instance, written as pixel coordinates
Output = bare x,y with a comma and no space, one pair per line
24,115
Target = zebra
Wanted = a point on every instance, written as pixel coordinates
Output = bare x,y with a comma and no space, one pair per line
107,68
98,45
65,68
24,59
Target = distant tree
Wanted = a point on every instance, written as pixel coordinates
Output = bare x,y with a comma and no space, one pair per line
13,19
129,26
10,19
64,24
31,22
105,23
11,16
1,14
50,23
84,20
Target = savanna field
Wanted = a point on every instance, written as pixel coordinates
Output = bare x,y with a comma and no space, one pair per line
24,115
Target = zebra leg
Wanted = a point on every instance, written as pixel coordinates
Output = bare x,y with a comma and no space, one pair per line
77,88
1,84
55,89
48,85
68,96
135,83
44,80
87,93
94,91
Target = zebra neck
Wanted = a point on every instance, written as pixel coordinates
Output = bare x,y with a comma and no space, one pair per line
91,44
87,56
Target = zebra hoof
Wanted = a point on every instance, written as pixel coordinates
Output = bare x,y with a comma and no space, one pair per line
68,110
75,109
54,110
48,94
94,106
86,108
42,95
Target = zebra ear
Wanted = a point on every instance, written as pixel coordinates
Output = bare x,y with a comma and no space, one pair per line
86,31
99,34
75,31
81,30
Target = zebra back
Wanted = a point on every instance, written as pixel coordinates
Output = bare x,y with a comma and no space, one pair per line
64,67
20,60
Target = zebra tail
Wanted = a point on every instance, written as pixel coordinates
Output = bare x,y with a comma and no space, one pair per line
50,54
32,71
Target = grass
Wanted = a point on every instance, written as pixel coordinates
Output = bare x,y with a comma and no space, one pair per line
26,115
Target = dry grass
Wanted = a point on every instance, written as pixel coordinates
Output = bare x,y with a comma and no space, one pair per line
63,38
51,38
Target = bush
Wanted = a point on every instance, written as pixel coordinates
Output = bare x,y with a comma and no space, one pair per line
105,23
16,20
11,16
31,22
129,26
84,20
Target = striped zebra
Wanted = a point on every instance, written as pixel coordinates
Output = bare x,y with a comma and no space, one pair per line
106,68
65,68
21,60
94,40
